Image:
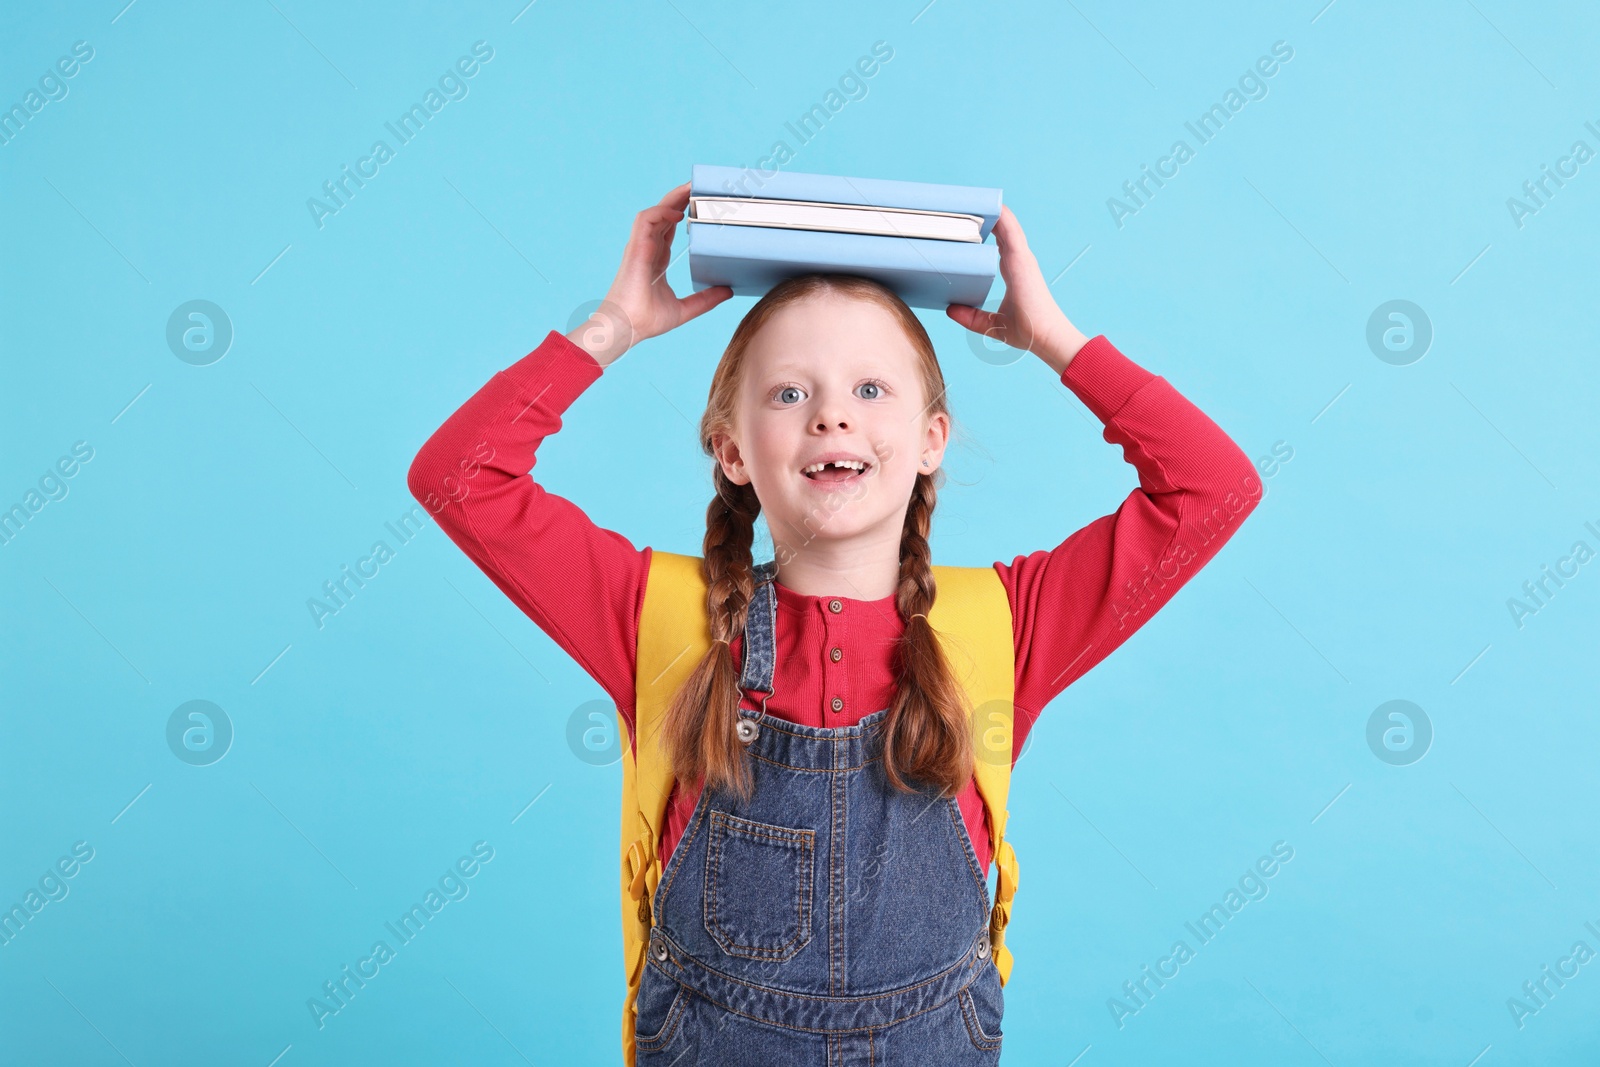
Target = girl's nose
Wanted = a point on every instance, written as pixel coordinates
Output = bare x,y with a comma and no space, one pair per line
830,413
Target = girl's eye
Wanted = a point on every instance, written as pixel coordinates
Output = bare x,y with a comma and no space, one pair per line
792,394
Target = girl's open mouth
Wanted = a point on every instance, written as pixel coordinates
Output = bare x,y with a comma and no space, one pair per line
837,471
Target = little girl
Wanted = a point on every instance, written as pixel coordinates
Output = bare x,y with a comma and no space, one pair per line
824,720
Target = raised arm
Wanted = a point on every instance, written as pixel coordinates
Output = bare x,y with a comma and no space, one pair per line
1074,604
582,584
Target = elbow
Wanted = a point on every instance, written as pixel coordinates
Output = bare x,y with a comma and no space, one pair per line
418,475
1251,488
1209,519
419,492
1243,491
1249,483
1240,487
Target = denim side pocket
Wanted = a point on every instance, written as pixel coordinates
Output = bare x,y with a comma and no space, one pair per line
660,1005
982,1006
758,887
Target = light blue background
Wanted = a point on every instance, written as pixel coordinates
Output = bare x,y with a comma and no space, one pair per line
426,716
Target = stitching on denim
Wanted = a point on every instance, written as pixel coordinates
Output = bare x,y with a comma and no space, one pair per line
752,826
838,946
701,805
721,824
965,840
868,1027
675,1013
975,1031
816,770
829,733
760,637
966,961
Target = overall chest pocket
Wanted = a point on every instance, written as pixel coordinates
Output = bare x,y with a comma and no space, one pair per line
758,887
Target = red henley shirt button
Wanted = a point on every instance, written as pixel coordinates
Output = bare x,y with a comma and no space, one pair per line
836,654
838,703
835,606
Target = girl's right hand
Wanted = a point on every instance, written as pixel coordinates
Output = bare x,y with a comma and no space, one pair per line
640,303
1028,317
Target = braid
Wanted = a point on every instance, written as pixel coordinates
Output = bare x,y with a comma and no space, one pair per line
927,733
915,590
699,726
728,566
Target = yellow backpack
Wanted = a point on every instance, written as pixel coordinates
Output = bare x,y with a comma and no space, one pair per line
972,618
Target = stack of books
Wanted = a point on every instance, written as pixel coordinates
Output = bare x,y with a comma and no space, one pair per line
927,242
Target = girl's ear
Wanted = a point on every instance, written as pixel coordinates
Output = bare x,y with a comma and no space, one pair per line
726,450
934,443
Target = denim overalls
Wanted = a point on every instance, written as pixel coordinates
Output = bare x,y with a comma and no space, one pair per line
830,920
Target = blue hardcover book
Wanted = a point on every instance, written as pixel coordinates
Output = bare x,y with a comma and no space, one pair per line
949,263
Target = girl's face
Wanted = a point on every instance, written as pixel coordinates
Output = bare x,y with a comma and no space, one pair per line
832,378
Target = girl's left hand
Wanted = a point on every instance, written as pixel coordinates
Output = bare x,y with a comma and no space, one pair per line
1028,317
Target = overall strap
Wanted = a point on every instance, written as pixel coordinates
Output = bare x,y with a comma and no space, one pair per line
759,642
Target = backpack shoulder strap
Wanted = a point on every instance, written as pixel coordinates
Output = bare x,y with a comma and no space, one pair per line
673,637
972,617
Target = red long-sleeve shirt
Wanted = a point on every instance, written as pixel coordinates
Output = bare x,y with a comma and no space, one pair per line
1071,605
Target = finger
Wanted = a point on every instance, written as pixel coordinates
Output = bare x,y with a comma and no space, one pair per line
651,240
656,223
653,222
1009,235
1011,224
1002,227
975,319
1018,266
697,304
669,209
